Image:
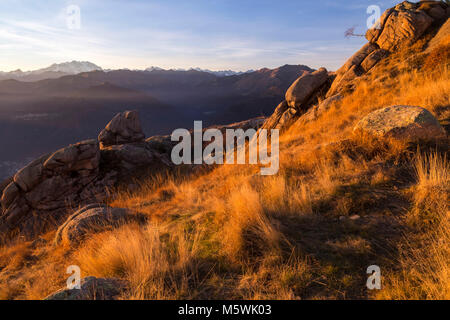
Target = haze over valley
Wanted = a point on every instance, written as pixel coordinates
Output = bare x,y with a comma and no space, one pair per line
70,105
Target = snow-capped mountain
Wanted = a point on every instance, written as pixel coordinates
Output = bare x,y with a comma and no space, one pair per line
221,73
56,70
73,67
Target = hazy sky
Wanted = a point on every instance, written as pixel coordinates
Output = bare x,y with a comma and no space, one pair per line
214,34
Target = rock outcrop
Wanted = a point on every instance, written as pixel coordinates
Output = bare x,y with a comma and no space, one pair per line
401,122
314,112
397,27
92,288
124,128
304,87
89,220
41,195
41,191
299,97
405,23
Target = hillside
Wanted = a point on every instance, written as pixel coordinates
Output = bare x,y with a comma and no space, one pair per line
41,116
356,187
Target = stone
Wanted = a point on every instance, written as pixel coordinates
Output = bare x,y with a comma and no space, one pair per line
351,69
402,122
124,128
441,37
30,175
5,183
304,87
357,58
437,12
372,59
314,112
41,192
345,80
82,155
92,288
287,118
88,220
373,33
272,121
400,26
10,193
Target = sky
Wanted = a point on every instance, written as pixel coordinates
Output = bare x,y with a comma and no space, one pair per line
210,34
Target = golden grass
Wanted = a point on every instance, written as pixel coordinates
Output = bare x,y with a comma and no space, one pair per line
230,233
425,260
157,267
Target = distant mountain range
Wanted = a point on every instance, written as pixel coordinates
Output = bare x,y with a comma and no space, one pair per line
41,116
221,73
58,70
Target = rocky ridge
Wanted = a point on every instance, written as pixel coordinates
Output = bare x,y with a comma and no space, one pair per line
312,93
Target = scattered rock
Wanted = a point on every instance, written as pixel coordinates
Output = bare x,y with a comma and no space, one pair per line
304,87
123,128
88,220
92,288
402,122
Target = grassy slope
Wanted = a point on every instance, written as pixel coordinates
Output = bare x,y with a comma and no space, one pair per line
233,234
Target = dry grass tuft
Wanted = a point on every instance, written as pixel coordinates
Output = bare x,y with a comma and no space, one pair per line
425,259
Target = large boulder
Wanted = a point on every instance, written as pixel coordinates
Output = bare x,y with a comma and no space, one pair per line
405,23
401,122
40,193
304,87
88,220
124,128
92,288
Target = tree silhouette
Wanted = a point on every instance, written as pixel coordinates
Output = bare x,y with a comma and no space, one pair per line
350,32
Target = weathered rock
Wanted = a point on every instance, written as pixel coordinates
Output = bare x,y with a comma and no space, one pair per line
272,121
314,112
401,122
304,87
123,128
30,175
437,12
92,288
357,58
351,69
10,193
372,59
42,191
402,25
441,37
403,28
288,117
345,80
88,220
373,33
